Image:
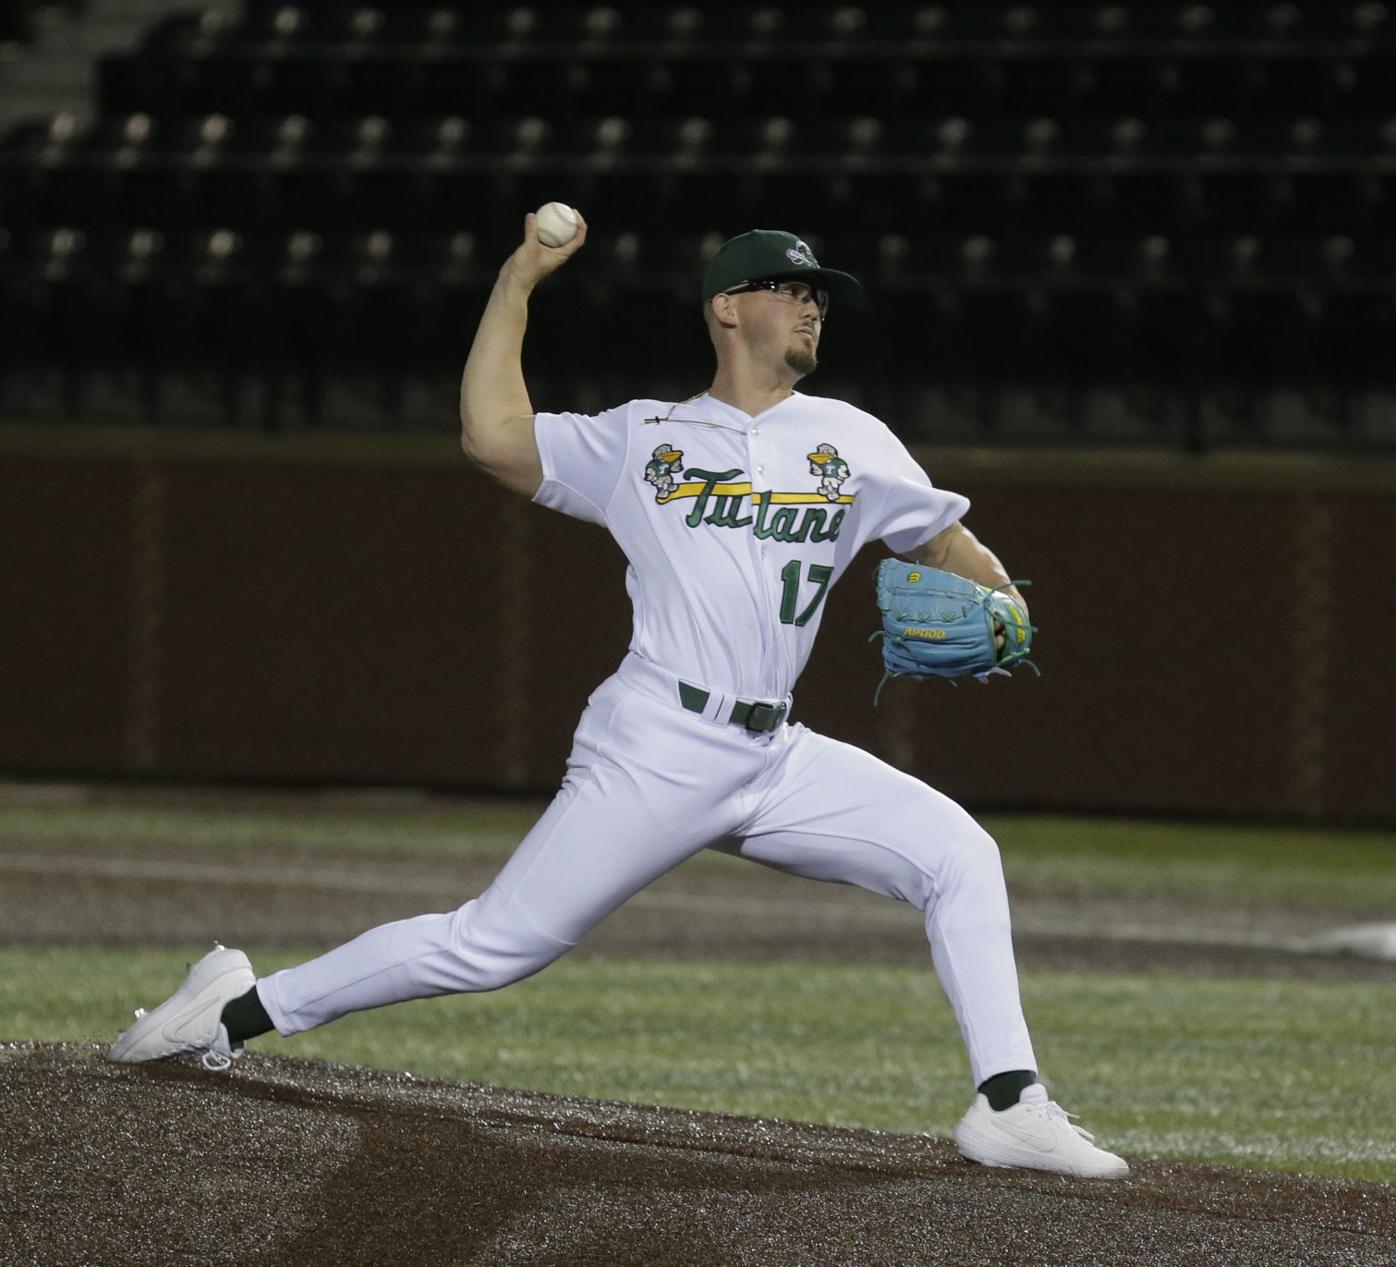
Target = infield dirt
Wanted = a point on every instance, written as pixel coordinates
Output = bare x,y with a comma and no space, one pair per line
291,1162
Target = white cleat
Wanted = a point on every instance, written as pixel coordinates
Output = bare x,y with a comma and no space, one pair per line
191,1018
1037,1134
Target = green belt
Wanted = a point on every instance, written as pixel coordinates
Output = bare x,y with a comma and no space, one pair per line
752,714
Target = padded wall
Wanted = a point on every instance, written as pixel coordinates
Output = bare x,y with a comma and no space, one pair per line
376,611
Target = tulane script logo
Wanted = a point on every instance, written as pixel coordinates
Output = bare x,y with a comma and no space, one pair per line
722,499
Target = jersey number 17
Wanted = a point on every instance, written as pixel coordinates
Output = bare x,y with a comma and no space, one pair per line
819,575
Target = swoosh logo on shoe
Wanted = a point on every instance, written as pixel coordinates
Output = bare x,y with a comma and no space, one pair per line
1039,1134
188,1026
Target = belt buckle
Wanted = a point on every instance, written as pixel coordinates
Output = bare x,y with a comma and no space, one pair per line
764,717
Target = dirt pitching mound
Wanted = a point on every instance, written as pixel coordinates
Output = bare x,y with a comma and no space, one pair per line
293,1162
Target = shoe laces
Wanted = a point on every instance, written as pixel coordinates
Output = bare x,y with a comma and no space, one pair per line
216,1060
218,1057
1057,1115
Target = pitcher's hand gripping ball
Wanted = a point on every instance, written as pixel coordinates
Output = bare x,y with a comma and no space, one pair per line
937,624
557,224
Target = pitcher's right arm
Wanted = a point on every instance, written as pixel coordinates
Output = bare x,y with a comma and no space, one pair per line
496,415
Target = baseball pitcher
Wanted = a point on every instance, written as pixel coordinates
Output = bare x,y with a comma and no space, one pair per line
737,509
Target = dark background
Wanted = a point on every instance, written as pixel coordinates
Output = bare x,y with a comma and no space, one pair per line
1131,286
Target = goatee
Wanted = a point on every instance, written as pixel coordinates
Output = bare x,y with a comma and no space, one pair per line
802,360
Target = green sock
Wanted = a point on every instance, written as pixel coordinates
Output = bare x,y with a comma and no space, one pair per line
245,1017
1003,1089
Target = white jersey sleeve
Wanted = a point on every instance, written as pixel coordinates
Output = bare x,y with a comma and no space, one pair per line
913,510
583,456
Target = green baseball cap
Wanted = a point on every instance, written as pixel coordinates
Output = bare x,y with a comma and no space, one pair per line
763,254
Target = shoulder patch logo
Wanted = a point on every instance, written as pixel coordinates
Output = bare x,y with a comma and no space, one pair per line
660,470
831,469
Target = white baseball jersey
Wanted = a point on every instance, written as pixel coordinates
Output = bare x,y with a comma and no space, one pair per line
736,526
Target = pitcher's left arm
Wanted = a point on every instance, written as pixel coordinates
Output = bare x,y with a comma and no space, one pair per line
958,550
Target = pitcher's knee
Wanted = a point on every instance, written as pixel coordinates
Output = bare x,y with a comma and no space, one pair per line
486,956
962,855
970,850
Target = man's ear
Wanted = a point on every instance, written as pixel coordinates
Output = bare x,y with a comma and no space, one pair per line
724,309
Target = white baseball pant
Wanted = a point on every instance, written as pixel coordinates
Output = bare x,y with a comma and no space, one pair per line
649,784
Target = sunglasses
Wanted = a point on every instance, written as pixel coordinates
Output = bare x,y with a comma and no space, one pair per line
793,292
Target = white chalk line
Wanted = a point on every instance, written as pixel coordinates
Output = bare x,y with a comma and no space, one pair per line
1372,941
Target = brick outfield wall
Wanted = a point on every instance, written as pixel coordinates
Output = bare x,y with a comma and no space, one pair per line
312,611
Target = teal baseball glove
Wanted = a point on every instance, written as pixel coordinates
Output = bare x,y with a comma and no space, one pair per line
937,624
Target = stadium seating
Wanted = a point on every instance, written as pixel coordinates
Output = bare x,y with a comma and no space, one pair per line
18,18
1071,196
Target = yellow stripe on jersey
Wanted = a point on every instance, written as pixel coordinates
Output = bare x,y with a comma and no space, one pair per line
744,490
718,490
814,498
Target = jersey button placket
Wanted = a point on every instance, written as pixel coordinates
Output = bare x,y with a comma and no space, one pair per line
781,648
757,468
760,546
757,545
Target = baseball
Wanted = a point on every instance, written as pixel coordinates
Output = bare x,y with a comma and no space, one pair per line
557,224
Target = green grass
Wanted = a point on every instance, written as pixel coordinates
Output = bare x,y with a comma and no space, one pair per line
1285,1075
1209,863
1205,861
408,830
